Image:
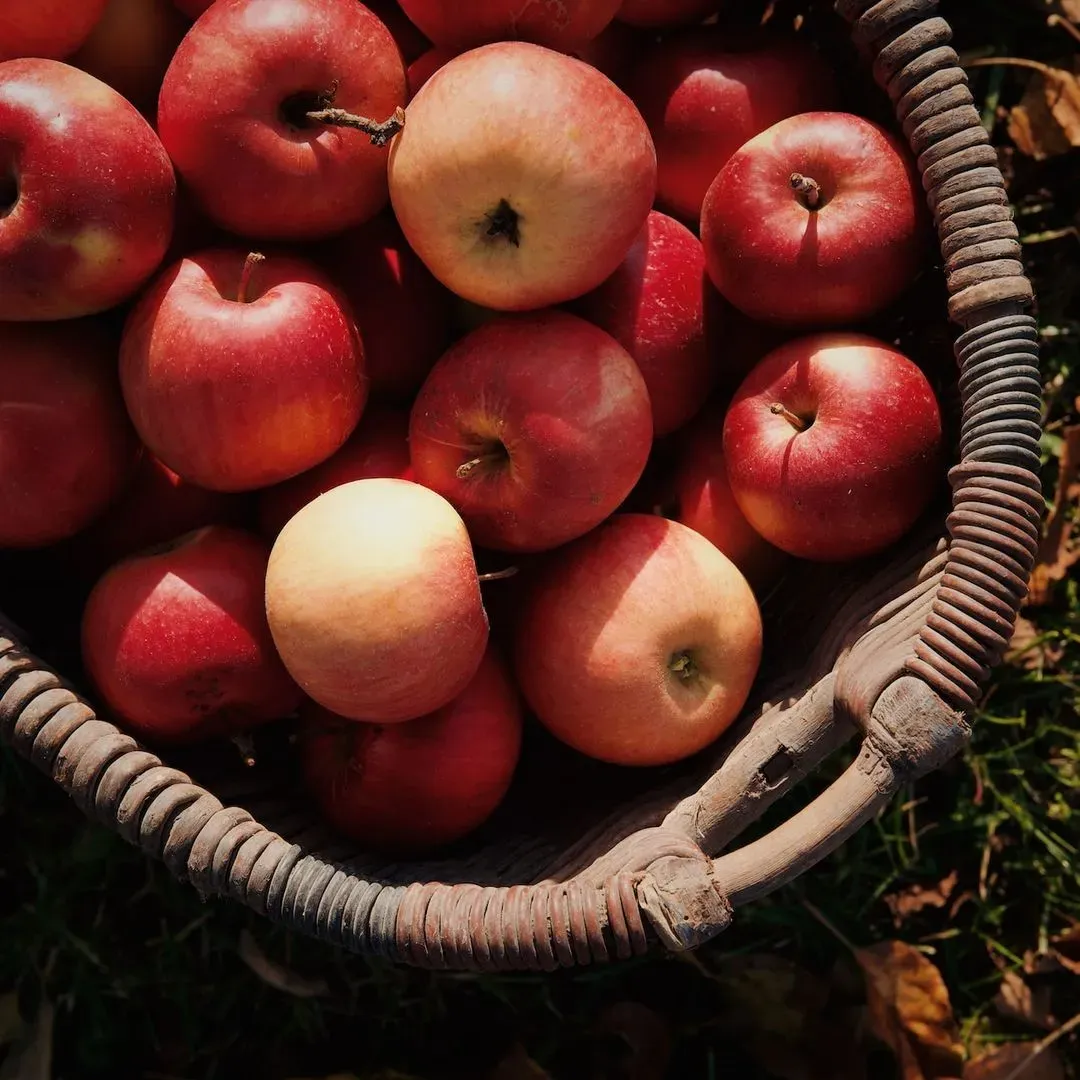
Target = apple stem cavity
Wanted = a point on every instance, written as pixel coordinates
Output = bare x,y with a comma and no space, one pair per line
253,260
503,223
796,421
380,131
9,193
807,189
494,457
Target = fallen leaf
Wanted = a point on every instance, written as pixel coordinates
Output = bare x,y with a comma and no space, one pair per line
634,1043
914,898
1003,1062
1016,1000
1059,548
277,975
29,1056
910,1011
517,1065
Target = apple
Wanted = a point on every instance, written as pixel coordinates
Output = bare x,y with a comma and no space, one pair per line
662,13
816,221
374,601
654,306
703,501
176,643
130,48
86,194
379,447
66,445
240,372
535,427
704,93
834,446
640,643
468,23
52,29
424,66
522,176
403,313
155,507
420,785
234,114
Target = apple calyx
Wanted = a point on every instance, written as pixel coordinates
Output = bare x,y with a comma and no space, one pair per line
253,260
796,421
807,190
682,666
502,223
494,458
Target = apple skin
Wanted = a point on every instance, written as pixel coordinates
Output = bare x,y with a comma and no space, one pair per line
653,14
703,501
704,93
535,427
176,643
374,601
52,29
603,624
424,66
776,259
66,445
379,447
654,306
865,467
421,785
90,190
239,395
130,48
219,115
468,23
402,312
522,176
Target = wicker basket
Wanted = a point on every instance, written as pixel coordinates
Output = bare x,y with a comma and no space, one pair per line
637,858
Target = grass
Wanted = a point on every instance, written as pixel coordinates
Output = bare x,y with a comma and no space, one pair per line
148,981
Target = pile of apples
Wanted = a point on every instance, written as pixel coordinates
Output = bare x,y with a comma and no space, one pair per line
310,309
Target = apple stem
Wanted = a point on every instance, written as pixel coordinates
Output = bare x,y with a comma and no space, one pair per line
797,422
253,260
499,575
381,131
808,190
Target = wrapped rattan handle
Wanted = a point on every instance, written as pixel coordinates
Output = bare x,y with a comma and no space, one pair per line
997,501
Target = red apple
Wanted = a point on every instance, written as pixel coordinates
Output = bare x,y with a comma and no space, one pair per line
522,176
420,785
816,221
86,193
403,313
833,446
130,48
379,447
704,501
703,94
233,114
176,643
654,306
66,446
156,506
374,601
657,13
46,28
467,23
424,66
639,645
535,427
240,373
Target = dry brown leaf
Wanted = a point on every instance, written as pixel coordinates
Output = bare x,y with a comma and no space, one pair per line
1018,1001
1002,1063
910,1011
914,898
1059,549
277,975
634,1043
517,1065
